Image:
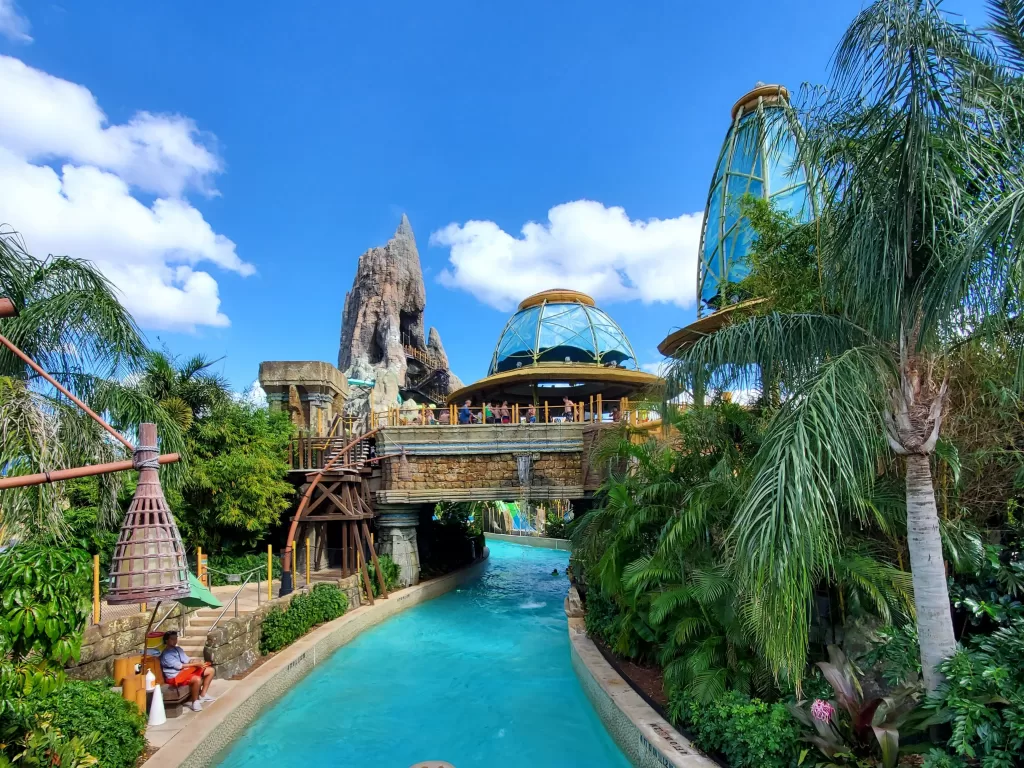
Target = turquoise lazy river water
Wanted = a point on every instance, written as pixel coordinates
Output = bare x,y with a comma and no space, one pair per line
477,677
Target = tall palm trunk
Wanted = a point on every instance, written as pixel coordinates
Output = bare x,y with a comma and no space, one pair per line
931,597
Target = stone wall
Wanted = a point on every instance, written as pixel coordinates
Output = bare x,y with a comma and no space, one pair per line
496,470
234,646
125,636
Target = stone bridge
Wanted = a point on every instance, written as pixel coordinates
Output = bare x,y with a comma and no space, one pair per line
418,466
478,462
475,462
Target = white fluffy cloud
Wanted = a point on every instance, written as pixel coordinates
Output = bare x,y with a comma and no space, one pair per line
69,187
585,246
13,25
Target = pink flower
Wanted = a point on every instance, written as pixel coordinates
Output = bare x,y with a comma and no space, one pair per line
822,710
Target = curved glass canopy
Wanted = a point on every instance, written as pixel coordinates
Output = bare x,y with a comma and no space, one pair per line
564,327
758,157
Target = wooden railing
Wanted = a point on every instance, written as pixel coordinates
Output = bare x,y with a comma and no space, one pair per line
309,453
594,410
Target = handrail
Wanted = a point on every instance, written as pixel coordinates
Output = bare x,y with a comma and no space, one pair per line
286,553
234,598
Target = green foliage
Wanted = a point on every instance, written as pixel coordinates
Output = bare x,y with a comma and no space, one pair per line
45,745
555,526
747,733
223,564
235,490
390,570
936,758
784,260
92,712
325,602
858,731
895,652
44,601
984,697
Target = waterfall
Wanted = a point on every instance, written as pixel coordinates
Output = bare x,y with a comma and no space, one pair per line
524,463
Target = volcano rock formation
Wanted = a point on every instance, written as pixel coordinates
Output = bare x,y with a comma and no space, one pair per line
383,316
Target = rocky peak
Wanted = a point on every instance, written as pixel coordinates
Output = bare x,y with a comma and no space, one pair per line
383,314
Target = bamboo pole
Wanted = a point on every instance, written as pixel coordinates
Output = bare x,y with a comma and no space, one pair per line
307,561
20,481
293,563
546,412
95,589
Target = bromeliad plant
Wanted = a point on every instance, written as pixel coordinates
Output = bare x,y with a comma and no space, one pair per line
849,730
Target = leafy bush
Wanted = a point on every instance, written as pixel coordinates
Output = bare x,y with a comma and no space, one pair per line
554,524
390,570
936,758
80,709
602,616
281,628
44,601
748,733
221,564
895,651
852,730
984,697
45,745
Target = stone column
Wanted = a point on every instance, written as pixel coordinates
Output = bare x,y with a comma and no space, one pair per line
396,526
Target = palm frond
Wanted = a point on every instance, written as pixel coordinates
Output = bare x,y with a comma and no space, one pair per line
817,451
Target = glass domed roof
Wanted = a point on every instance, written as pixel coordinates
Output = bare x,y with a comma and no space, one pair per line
759,157
558,326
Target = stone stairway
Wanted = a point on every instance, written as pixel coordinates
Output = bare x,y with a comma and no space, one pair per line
202,621
249,599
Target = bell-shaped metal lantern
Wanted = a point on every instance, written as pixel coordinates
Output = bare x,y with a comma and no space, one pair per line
149,560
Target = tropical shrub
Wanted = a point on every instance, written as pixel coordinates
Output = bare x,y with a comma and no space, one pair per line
81,709
849,730
389,568
280,628
983,697
555,526
45,745
895,653
235,489
44,601
746,732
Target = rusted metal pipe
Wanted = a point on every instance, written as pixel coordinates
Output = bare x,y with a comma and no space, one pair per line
35,367
20,481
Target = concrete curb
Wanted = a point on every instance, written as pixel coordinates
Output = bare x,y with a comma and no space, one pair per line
532,541
647,739
199,745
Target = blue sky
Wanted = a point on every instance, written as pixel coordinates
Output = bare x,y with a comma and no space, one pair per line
247,153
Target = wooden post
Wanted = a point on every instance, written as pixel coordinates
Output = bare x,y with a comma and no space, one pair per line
307,561
294,572
592,408
600,408
361,561
344,550
199,563
270,572
95,589
545,411
376,563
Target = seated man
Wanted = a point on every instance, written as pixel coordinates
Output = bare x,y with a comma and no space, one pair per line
179,669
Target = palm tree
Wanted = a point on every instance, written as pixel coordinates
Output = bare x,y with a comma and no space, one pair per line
914,142
185,390
71,322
